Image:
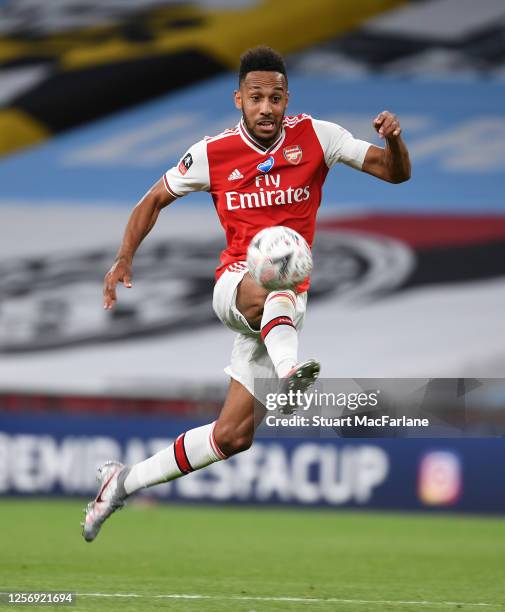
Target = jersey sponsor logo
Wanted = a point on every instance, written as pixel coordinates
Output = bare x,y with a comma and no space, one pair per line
185,163
235,175
267,165
258,199
268,180
293,154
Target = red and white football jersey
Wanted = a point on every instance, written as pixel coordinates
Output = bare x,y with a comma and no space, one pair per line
254,187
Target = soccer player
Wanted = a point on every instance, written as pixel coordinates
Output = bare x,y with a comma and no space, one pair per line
268,170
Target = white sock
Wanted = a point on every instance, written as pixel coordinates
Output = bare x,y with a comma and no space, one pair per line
191,451
278,330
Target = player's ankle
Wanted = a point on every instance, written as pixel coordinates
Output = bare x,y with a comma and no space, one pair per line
120,488
285,366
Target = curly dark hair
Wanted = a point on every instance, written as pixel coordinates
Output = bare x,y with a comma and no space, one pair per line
261,58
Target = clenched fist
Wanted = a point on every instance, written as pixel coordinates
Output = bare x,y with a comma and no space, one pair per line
387,125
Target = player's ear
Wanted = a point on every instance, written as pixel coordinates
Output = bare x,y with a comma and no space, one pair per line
287,99
238,99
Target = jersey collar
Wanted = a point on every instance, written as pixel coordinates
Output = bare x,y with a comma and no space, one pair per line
255,145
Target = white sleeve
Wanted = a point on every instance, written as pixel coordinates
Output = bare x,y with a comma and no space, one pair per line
339,145
191,173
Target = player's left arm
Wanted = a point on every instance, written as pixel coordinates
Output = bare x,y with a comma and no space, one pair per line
391,163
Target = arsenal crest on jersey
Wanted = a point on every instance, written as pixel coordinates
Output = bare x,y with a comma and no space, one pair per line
293,154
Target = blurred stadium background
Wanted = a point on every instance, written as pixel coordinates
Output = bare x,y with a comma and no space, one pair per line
97,100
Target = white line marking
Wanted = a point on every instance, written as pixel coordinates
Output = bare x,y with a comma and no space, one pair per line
321,600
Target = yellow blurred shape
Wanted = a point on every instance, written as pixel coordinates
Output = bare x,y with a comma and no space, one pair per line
18,130
286,25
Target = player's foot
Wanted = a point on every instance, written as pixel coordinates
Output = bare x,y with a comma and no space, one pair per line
111,496
299,378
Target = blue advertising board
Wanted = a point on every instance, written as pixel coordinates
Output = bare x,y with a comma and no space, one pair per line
57,454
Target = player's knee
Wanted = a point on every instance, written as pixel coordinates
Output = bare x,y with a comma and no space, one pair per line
230,442
250,300
253,314
239,444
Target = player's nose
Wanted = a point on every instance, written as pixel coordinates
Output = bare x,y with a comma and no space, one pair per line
266,108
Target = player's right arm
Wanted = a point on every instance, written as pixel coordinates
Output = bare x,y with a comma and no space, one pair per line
191,174
141,221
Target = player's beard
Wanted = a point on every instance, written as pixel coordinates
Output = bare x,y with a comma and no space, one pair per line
262,141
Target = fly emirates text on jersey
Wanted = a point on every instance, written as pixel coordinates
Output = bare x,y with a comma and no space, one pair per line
269,194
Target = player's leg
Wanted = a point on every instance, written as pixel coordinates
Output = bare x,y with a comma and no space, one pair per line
232,433
240,416
274,313
250,300
199,447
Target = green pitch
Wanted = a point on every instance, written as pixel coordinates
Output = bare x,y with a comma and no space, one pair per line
261,560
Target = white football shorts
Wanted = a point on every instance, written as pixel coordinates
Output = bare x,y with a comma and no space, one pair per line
249,357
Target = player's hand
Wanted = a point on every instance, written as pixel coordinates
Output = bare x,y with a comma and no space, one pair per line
387,125
120,272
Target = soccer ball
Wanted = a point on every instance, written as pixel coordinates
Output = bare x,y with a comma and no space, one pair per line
279,258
